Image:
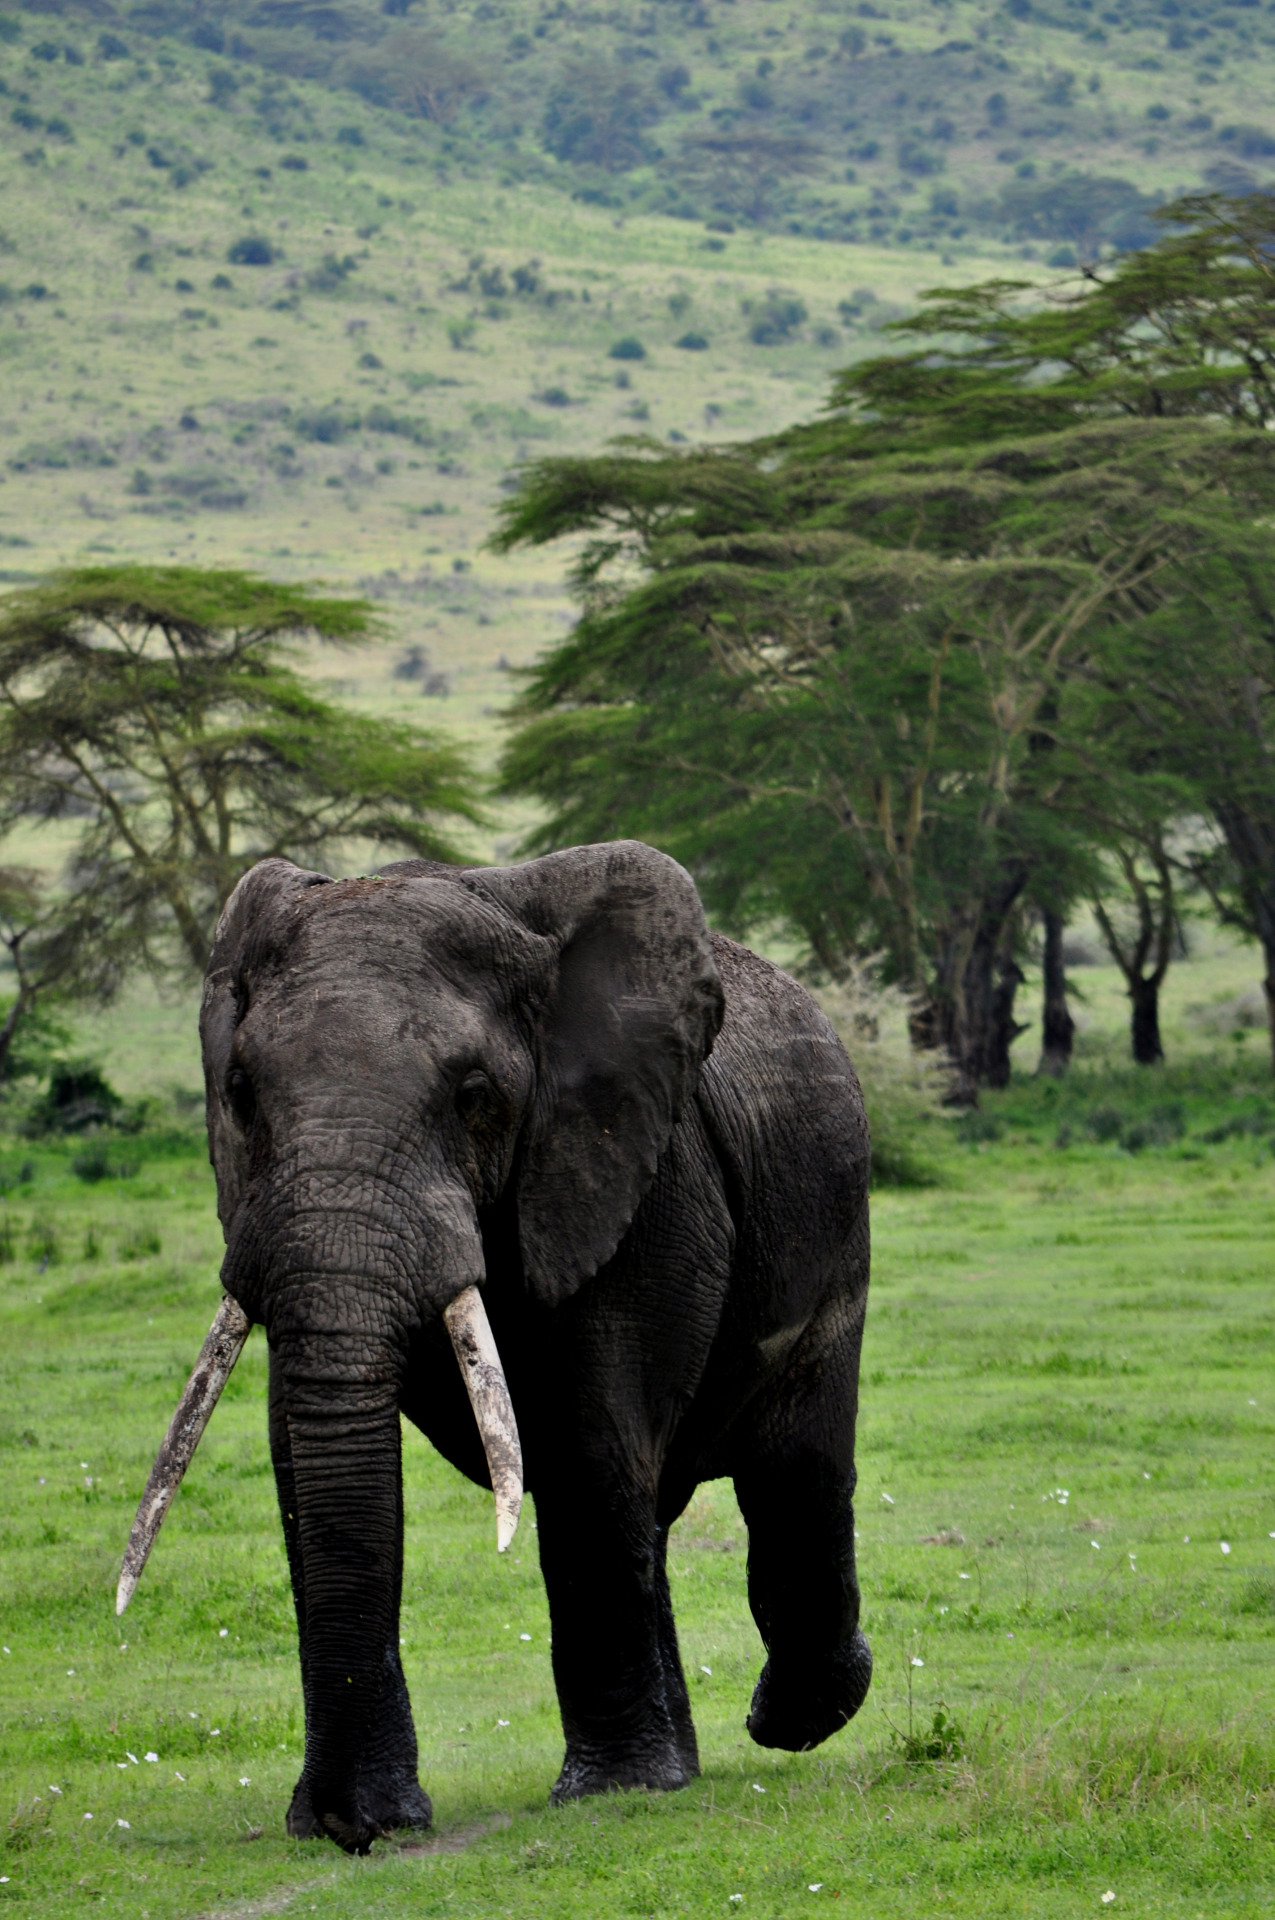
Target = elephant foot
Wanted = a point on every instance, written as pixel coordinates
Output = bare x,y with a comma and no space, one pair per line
798,1706
661,1771
385,1803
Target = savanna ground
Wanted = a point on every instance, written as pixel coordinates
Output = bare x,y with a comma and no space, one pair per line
1065,1523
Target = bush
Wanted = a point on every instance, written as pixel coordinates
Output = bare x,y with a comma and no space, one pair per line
78,1097
777,319
629,348
902,1089
693,342
251,250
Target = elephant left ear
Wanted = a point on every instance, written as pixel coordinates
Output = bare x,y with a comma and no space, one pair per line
633,1009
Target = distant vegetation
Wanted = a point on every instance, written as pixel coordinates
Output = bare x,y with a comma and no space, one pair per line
989,640
1056,125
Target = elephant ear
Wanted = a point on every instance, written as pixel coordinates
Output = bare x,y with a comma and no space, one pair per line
257,895
631,1014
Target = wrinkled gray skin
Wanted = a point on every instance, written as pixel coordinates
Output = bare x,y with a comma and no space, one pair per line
515,1078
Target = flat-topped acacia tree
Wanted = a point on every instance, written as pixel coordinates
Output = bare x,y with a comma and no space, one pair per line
852,674
161,711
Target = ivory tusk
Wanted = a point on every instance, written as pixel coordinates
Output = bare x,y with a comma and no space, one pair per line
220,1350
470,1329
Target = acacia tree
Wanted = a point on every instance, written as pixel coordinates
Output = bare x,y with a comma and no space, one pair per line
834,686
837,671
160,713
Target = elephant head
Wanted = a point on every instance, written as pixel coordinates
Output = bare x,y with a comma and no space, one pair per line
388,1058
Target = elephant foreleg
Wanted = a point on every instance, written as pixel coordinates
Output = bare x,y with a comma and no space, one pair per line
389,1793
625,1711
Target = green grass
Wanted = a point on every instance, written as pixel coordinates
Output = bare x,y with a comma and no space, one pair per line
1081,1318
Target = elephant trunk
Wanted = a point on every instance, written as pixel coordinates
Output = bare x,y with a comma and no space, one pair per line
344,1439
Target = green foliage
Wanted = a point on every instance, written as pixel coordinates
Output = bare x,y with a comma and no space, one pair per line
78,1097
885,676
189,746
1042,1321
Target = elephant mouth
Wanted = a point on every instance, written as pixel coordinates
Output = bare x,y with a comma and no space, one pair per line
481,1369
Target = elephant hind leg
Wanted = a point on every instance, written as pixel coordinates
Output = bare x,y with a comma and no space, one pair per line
795,1486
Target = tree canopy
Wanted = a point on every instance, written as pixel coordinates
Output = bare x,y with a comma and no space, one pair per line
162,712
864,676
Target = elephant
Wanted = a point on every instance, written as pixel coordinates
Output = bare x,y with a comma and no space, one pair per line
639,1152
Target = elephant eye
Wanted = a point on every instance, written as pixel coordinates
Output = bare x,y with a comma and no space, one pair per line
473,1095
243,1099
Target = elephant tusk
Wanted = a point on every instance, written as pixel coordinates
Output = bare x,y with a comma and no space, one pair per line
220,1350
470,1329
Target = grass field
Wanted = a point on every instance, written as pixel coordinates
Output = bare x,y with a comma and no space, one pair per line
1066,1526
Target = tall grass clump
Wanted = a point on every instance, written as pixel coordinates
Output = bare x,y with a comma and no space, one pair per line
902,1089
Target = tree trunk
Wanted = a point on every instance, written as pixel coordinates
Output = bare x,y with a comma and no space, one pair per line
1057,1026
1003,1029
1145,1024
974,997
21,1005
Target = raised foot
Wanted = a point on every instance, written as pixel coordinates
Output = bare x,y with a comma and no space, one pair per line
384,1805
598,1773
797,1706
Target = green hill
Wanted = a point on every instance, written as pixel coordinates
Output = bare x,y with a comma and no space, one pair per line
295,287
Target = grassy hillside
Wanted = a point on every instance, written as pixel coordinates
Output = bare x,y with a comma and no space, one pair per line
273,294
328,368
923,119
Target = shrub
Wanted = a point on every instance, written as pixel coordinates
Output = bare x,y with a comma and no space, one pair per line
93,1164
628,348
1105,1123
776,319
111,47
902,1089
251,250
693,342
78,1097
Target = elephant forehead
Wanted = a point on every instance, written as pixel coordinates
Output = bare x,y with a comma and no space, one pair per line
406,944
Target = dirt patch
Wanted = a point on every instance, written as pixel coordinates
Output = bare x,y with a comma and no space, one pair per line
458,1839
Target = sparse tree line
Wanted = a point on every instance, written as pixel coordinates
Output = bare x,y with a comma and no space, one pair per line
989,642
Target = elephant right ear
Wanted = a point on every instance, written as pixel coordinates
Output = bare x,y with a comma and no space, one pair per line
259,894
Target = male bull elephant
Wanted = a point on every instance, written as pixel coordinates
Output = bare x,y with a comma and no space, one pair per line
549,1092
